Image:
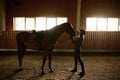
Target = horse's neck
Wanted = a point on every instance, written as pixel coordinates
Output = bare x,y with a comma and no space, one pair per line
57,32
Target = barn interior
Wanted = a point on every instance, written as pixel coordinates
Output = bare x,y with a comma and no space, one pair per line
100,49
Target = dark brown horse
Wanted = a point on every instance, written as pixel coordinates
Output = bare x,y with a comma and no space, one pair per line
43,40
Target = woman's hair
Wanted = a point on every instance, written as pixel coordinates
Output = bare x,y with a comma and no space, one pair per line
82,31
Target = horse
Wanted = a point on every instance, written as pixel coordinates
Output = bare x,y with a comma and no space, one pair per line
42,40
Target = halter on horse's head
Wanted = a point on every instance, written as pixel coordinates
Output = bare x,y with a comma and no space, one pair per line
69,29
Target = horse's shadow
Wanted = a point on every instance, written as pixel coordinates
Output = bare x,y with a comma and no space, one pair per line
10,76
72,76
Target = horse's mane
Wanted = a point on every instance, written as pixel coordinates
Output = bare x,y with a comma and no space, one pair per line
56,27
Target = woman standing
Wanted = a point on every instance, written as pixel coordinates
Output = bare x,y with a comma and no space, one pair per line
77,41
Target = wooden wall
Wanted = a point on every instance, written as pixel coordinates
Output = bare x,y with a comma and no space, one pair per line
8,40
41,8
64,8
92,41
99,8
2,15
102,41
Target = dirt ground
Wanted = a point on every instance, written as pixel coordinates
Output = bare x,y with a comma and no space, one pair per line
96,68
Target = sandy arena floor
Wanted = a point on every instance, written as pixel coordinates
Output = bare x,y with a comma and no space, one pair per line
96,67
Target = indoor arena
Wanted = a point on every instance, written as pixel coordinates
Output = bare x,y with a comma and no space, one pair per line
59,40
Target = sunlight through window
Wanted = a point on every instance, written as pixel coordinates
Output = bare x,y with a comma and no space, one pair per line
119,24
19,23
51,22
37,23
91,24
112,24
30,23
61,20
102,24
40,23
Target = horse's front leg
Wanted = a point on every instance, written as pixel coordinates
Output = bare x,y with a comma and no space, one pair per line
20,57
43,64
50,58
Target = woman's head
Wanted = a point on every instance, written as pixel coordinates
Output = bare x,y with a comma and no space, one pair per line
82,32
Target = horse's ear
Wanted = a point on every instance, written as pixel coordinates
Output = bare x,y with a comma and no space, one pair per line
33,31
68,22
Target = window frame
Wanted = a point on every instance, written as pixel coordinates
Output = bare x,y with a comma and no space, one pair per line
35,24
118,25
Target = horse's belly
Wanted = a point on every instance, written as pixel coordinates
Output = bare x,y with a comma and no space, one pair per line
32,45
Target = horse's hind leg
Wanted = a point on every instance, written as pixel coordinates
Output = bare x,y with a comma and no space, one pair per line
21,51
50,58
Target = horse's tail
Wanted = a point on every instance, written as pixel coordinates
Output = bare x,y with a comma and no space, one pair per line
20,37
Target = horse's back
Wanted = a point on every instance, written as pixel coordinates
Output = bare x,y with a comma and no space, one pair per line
22,35
31,40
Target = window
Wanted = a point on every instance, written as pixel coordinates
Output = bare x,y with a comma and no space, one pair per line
30,23
112,24
37,23
19,23
119,24
40,23
51,22
91,22
102,24
61,20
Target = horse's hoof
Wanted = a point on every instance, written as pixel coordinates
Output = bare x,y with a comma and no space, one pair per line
51,71
74,70
42,73
82,74
20,69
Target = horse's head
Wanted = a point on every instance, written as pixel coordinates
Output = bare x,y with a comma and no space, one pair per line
69,29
